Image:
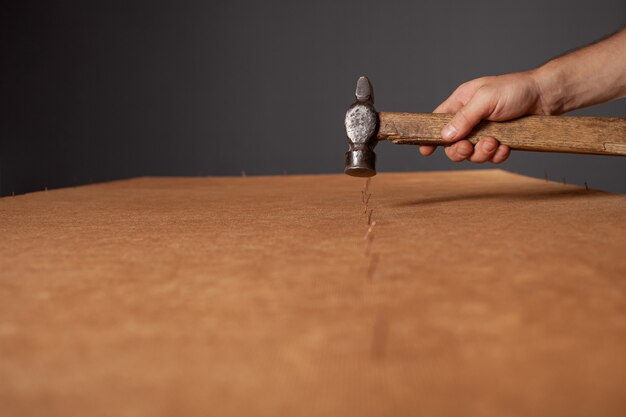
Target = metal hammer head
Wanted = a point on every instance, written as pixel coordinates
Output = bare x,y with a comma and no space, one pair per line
361,126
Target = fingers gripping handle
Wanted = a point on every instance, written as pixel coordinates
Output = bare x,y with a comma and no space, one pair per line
569,134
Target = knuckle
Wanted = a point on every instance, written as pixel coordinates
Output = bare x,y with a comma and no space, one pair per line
498,160
489,145
464,149
501,155
485,92
452,154
462,119
479,157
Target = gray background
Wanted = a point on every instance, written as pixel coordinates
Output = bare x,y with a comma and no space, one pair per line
93,91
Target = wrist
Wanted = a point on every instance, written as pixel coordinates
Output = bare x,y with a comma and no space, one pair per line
550,88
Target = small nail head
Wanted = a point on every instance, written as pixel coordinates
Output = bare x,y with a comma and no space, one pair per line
363,89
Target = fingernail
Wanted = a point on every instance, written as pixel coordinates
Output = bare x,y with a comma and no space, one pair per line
488,146
448,132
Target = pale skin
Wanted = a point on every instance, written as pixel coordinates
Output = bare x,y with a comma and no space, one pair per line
588,76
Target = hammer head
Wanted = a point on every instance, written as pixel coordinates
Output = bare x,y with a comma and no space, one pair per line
361,126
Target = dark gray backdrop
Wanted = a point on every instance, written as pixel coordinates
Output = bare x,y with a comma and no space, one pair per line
94,91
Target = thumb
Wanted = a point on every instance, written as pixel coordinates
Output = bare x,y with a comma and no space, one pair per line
479,107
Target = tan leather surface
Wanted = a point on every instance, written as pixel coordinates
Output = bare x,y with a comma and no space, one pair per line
483,294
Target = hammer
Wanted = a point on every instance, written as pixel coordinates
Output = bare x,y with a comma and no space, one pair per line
569,134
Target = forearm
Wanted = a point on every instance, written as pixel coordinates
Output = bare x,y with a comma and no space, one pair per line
588,76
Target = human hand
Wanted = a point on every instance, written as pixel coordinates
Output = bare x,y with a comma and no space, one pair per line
497,98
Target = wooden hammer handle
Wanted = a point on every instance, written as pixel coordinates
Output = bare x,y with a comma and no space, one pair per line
571,134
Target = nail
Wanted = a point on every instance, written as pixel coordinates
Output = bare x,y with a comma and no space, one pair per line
448,132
